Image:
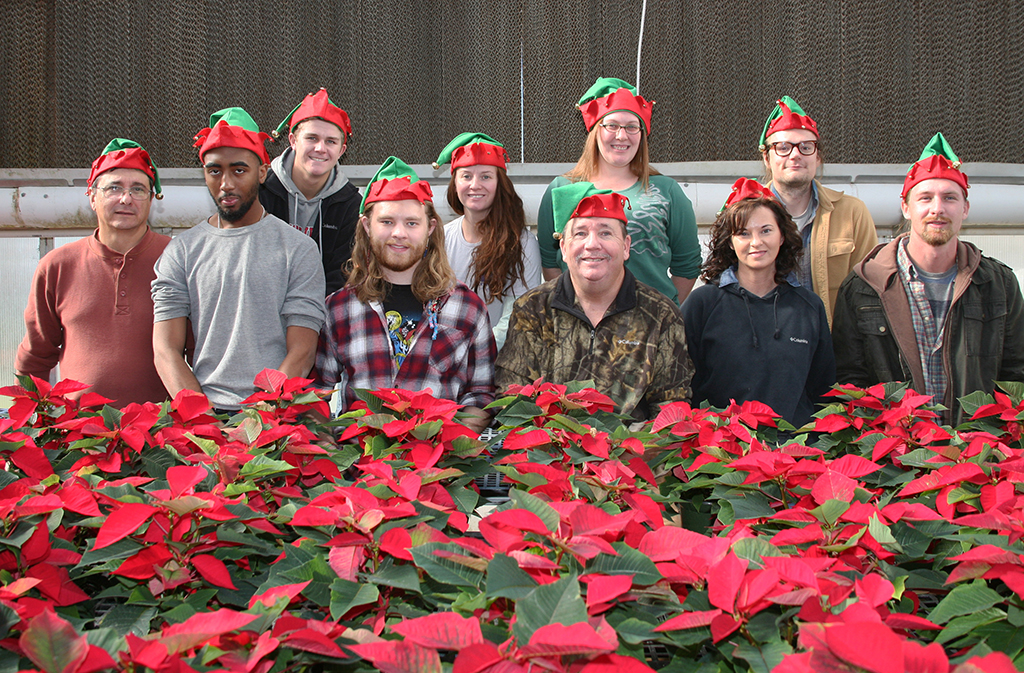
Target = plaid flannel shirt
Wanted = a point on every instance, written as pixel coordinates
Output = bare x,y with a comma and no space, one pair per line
928,330
452,351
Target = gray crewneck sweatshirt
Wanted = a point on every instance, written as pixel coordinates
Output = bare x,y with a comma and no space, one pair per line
303,213
242,289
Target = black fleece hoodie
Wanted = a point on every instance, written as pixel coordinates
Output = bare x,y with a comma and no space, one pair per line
775,349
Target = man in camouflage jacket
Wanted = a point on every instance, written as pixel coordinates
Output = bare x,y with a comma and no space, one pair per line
596,321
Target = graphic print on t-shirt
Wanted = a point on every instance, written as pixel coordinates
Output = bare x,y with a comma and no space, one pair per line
403,313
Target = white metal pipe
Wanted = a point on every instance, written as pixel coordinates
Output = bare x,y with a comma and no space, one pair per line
39,201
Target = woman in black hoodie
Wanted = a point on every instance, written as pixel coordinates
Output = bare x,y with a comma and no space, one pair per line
753,333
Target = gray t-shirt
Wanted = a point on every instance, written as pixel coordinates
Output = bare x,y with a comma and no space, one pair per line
805,225
460,256
939,289
242,289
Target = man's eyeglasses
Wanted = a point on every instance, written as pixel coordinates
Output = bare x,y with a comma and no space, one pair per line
137,192
613,128
805,147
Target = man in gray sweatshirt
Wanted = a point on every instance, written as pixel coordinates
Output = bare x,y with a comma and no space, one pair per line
252,286
306,188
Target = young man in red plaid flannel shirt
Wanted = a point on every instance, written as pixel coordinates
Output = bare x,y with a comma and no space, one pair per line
402,320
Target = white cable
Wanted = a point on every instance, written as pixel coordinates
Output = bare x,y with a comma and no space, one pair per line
640,44
522,106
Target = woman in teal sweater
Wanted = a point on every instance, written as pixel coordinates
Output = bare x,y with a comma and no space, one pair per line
662,228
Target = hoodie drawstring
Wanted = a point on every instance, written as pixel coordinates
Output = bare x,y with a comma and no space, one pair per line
775,310
750,318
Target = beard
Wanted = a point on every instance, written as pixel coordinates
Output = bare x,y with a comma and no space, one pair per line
241,210
397,262
937,237
794,182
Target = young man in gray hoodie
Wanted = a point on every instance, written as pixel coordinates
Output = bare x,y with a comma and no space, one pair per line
306,188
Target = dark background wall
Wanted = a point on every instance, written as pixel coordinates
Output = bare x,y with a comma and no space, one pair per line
880,77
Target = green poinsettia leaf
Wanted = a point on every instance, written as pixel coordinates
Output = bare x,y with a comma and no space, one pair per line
629,561
505,579
394,575
545,512
443,562
556,603
959,626
965,599
346,595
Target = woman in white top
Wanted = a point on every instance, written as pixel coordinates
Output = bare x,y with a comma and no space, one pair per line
489,247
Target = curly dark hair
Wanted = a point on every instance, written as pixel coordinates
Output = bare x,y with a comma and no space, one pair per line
734,220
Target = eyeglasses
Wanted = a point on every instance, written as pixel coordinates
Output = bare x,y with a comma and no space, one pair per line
613,128
137,192
806,147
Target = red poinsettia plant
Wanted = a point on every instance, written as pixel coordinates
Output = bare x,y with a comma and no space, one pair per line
164,537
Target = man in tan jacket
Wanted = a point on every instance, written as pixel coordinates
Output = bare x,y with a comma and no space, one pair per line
837,229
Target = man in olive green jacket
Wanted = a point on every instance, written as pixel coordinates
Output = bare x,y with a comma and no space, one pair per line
596,321
836,228
928,308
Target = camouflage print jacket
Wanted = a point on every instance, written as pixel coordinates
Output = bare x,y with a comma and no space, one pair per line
636,355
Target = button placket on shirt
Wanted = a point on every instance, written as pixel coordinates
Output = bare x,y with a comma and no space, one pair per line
121,305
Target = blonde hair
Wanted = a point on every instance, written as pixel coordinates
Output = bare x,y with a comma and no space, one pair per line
433,277
586,167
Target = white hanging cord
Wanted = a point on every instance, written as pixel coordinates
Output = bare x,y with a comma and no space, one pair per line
522,107
640,44
522,90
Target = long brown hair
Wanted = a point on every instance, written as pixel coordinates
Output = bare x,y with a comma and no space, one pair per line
586,167
498,260
432,278
733,220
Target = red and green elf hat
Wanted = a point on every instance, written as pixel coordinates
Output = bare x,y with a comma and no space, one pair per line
232,127
786,116
316,105
611,95
745,188
583,199
937,161
124,153
396,181
472,149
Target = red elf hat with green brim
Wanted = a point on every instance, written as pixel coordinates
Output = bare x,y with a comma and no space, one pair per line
124,153
611,95
745,188
937,161
583,199
233,127
472,149
786,116
316,106
396,181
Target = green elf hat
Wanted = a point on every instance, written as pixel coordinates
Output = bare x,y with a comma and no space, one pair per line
124,153
396,181
232,127
786,116
316,105
583,199
745,188
472,149
611,95
937,161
